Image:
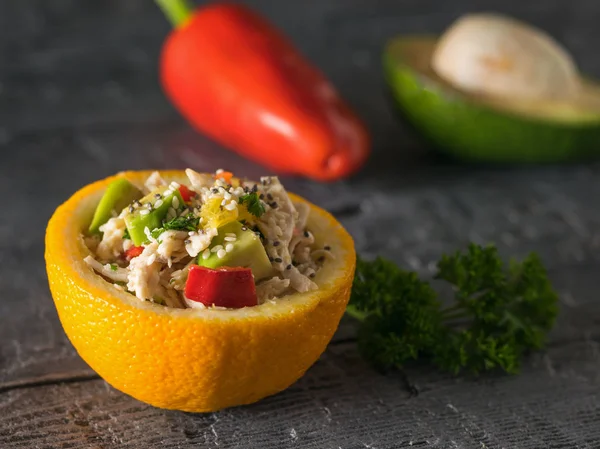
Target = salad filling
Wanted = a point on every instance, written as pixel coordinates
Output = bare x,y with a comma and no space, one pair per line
217,241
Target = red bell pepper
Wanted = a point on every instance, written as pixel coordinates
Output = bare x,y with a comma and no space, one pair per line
231,287
133,251
238,79
186,194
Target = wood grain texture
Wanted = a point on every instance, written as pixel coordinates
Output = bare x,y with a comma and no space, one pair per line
79,100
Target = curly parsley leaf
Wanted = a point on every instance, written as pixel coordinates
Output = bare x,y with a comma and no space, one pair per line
498,314
253,203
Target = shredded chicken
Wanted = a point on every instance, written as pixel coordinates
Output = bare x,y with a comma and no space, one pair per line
272,288
111,244
172,246
143,279
154,181
199,181
199,241
277,224
112,272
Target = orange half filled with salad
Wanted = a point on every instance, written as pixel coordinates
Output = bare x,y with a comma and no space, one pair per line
197,291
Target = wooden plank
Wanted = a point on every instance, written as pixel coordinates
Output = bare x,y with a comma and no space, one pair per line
339,403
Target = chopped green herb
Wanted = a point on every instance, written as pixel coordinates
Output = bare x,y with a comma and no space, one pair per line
188,223
253,203
156,232
126,235
497,317
114,267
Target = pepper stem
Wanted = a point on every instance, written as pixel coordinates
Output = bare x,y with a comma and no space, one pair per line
177,11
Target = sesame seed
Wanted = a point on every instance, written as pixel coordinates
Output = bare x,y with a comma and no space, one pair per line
168,192
206,254
144,212
187,242
230,239
244,228
230,234
270,197
321,259
158,203
276,243
175,185
137,203
215,191
254,188
312,275
175,202
289,267
157,195
221,253
261,196
229,247
131,209
171,211
227,195
306,234
231,206
273,205
278,259
216,248
223,202
327,248
219,171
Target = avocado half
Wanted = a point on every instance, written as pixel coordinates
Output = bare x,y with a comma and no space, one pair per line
486,129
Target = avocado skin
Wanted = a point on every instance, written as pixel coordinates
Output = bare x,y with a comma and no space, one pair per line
476,132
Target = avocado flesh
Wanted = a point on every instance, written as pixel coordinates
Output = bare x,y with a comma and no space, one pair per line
248,251
118,195
136,222
488,129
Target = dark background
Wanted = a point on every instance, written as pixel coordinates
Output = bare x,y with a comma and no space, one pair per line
80,99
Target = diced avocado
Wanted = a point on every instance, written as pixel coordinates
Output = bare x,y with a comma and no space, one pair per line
483,128
118,195
247,252
139,219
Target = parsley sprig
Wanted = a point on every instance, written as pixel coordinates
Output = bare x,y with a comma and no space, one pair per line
498,314
253,203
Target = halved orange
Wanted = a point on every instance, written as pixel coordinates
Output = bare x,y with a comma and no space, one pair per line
188,359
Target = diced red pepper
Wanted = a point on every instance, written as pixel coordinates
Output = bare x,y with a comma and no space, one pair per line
134,251
231,287
186,193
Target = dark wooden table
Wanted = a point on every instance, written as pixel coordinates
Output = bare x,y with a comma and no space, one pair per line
79,100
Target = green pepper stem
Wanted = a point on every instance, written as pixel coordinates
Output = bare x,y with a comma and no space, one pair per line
177,11
355,313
